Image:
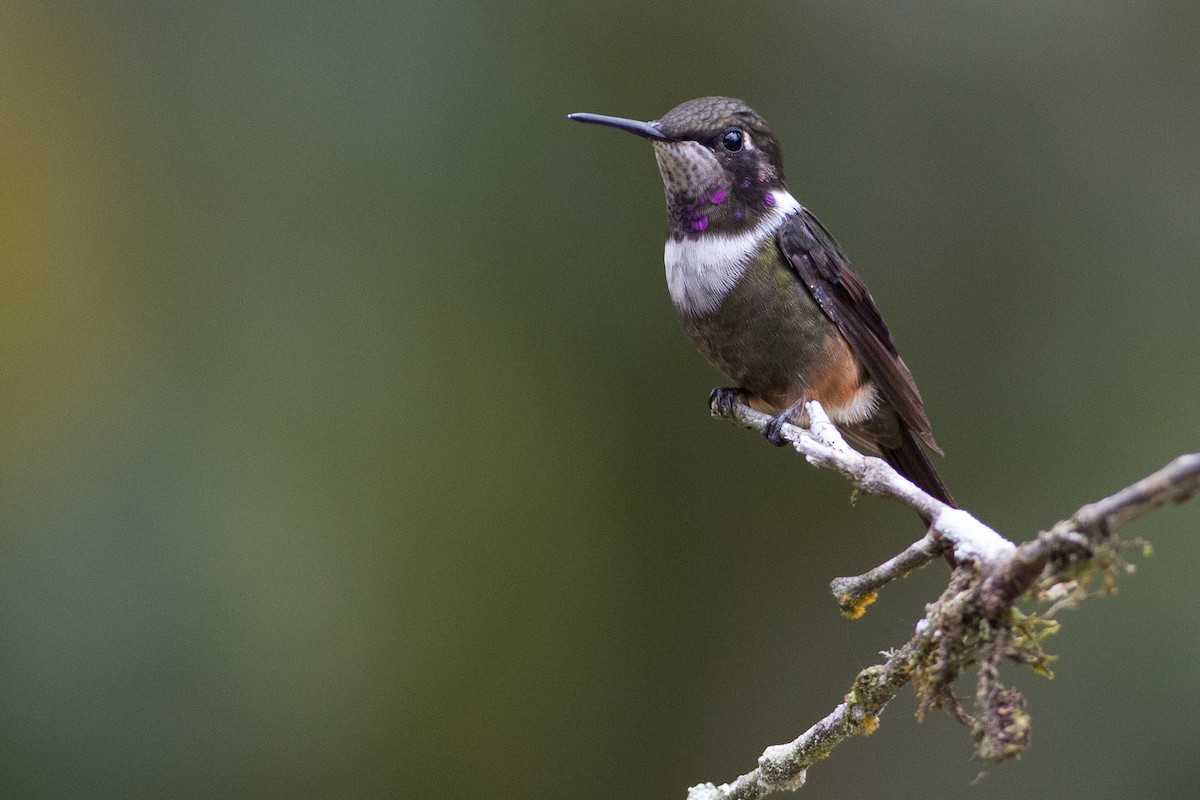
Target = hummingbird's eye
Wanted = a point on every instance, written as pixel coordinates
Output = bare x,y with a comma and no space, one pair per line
731,140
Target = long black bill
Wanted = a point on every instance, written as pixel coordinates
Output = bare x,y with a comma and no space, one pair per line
648,129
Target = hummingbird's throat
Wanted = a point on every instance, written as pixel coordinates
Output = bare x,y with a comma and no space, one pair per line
703,195
688,169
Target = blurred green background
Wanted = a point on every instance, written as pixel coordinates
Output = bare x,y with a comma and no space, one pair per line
349,446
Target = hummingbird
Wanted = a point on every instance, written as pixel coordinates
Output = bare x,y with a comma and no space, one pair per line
766,294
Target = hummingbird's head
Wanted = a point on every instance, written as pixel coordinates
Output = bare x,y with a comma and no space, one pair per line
719,161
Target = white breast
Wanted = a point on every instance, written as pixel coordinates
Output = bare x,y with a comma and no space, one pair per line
701,271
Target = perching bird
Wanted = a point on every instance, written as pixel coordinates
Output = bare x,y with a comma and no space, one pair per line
766,294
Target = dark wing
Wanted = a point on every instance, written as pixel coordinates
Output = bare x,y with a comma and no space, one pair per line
821,266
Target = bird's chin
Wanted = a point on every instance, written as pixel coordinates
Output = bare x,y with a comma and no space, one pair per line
688,169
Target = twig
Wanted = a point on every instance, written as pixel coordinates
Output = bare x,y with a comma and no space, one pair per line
785,766
952,528
823,446
854,594
1091,526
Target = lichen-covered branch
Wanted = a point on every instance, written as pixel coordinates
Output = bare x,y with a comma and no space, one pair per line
974,623
784,766
1088,531
854,594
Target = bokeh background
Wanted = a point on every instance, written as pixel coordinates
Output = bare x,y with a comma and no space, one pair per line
349,446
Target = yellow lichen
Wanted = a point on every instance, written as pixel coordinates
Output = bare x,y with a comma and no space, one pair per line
853,607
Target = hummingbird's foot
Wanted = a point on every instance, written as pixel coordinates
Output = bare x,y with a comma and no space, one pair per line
722,399
773,430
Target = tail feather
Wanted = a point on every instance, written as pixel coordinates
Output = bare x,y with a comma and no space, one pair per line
911,461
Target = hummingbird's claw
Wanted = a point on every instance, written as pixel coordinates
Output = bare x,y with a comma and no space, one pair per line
722,399
773,430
